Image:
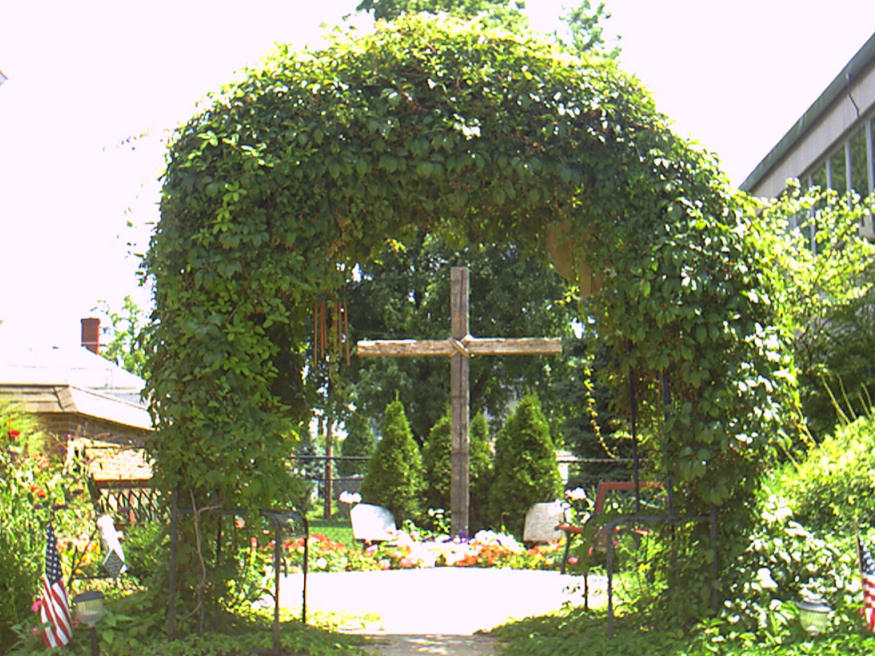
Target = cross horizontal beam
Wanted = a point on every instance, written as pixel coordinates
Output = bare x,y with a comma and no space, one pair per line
467,346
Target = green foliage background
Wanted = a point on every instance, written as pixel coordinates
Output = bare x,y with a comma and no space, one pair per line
359,441
395,472
827,299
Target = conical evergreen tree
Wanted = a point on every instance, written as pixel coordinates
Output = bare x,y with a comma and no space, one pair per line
480,462
526,471
359,442
436,461
395,473
436,458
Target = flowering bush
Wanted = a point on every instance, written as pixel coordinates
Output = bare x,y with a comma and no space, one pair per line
406,551
36,486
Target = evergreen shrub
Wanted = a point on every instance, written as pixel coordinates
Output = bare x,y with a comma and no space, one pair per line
436,459
395,476
526,471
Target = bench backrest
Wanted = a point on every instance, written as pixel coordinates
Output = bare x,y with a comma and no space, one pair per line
607,486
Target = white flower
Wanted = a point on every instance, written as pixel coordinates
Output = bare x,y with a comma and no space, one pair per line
577,494
349,497
321,563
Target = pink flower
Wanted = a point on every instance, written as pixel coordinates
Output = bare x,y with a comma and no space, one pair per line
405,563
573,560
371,550
37,605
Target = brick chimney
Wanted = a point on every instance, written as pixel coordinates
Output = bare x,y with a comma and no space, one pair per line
91,334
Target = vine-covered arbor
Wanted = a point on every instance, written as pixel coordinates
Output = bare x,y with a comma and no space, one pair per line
315,161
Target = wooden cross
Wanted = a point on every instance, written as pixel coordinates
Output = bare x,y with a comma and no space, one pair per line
459,347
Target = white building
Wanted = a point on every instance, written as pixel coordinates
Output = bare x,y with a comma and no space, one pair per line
831,145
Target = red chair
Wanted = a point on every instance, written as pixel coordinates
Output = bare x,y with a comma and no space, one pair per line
598,510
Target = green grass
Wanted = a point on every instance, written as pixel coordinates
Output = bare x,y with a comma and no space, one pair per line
337,529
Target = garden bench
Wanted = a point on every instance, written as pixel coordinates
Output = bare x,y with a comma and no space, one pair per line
599,539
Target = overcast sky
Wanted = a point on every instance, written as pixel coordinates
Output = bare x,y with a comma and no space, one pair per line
85,77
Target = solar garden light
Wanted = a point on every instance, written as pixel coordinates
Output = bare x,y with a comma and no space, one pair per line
89,610
813,614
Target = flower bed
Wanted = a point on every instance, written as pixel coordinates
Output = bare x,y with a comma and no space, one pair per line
406,550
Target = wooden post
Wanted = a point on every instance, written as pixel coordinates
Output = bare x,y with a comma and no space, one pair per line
329,452
459,399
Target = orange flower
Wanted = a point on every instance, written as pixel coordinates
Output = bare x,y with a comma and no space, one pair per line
38,491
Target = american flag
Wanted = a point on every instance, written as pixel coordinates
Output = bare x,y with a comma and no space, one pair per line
867,569
54,609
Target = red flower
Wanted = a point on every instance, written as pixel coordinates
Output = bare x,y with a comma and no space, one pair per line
14,434
38,491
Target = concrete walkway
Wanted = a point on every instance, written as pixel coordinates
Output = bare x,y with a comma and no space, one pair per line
438,645
436,611
440,600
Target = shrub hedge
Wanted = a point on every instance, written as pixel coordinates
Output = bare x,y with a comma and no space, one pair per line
526,471
395,474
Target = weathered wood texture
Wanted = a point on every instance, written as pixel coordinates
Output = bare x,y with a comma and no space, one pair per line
459,400
474,345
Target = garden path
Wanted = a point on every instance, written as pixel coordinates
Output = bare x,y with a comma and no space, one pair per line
436,610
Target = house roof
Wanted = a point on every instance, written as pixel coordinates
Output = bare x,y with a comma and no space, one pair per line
72,380
75,366
47,398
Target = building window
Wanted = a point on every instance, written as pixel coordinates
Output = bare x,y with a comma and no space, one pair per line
838,177
859,163
818,177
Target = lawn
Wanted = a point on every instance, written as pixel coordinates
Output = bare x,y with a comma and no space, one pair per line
336,529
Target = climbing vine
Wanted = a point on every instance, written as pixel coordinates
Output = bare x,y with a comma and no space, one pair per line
317,160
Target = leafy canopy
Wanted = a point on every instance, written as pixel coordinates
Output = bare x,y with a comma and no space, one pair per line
502,12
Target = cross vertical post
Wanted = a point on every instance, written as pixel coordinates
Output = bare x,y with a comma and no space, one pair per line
459,402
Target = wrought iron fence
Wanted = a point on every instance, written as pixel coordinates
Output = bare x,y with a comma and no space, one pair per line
129,501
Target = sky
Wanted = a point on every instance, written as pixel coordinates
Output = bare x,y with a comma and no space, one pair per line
95,87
